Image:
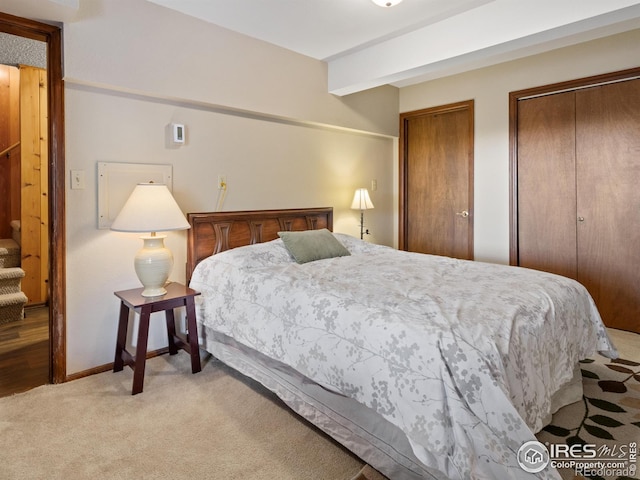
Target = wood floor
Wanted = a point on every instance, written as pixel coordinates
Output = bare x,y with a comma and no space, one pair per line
24,352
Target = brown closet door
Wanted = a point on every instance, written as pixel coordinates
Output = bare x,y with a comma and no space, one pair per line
438,180
608,185
546,184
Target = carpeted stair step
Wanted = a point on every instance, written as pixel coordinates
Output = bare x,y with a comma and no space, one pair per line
9,253
10,279
12,307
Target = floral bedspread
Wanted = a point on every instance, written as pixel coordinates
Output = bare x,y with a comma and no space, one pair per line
462,356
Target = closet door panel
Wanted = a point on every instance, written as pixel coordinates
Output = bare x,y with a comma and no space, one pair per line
608,196
546,184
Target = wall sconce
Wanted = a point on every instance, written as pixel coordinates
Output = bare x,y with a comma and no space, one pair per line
362,202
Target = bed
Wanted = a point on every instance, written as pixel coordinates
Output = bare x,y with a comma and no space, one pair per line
423,366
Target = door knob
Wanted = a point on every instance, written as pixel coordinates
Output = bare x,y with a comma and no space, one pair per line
581,219
463,214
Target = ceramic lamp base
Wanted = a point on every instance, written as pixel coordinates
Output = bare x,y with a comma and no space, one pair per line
153,264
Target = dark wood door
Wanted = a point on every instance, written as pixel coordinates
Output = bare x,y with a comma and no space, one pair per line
437,181
546,184
578,200
608,186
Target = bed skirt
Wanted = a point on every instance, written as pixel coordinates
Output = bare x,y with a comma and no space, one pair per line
355,426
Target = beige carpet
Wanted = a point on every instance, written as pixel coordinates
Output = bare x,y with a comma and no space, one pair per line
211,425
218,425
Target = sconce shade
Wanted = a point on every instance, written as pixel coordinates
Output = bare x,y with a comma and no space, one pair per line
361,200
151,208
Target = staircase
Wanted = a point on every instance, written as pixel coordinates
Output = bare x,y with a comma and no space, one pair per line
12,300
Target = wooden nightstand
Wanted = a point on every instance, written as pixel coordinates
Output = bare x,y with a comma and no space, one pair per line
177,296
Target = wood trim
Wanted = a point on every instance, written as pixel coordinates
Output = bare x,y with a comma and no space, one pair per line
514,98
513,178
402,178
57,246
215,232
402,155
577,84
57,209
107,367
23,27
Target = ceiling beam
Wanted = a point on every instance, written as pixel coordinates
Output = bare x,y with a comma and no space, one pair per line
499,31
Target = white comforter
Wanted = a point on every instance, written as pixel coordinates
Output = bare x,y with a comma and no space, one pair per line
462,356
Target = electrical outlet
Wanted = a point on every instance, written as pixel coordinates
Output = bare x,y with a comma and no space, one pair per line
222,182
374,185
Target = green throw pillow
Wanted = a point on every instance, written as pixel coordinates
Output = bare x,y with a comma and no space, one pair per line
310,245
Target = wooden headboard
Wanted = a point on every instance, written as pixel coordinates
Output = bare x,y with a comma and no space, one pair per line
215,232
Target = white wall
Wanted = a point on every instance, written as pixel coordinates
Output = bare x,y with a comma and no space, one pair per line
254,112
141,47
262,116
490,88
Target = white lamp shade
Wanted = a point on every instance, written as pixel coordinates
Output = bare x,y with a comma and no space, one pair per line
150,208
361,200
386,3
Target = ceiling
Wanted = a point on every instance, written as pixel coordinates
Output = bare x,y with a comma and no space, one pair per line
321,29
48,11
366,46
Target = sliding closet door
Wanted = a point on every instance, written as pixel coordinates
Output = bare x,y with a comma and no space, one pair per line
546,184
578,194
608,186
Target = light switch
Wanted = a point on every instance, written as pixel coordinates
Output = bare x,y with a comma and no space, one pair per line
77,179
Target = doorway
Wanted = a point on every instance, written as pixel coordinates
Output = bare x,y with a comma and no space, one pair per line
54,208
436,175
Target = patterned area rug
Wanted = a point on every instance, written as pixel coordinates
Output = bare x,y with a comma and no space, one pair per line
598,437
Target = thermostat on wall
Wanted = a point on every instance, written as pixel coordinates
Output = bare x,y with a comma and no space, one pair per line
178,133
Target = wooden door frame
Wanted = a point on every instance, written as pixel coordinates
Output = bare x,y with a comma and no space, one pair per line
51,35
516,96
403,168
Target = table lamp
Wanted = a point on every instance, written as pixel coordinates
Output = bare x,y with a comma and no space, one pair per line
151,208
362,202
